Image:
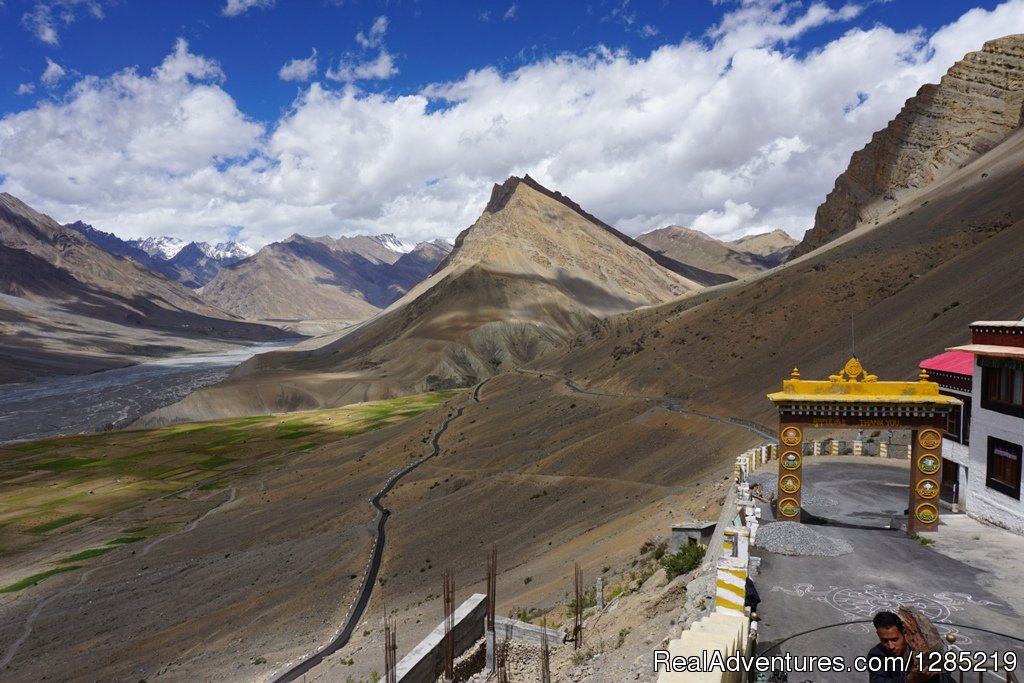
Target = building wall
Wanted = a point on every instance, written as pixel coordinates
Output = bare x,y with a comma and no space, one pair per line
982,502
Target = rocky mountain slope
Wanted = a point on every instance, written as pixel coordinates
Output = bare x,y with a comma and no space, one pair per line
306,278
531,273
912,286
302,278
192,264
119,247
69,306
738,259
975,106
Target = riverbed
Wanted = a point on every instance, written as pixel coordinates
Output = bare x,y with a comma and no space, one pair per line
82,404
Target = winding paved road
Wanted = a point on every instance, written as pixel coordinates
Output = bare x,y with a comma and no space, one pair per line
373,566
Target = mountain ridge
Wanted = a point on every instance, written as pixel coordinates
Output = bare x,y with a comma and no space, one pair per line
501,194
975,105
529,275
68,306
320,278
740,258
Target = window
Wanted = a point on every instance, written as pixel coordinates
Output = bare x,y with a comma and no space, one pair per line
1003,389
1004,467
958,419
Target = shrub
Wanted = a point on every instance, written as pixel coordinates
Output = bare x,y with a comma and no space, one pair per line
686,559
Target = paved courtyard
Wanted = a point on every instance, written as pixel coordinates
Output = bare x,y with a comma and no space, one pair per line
968,580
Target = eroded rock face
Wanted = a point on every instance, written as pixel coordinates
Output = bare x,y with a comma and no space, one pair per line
939,130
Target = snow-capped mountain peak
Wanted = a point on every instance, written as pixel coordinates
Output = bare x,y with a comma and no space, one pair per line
164,248
393,243
225,250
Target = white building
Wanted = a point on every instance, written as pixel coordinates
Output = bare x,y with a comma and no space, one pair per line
997,423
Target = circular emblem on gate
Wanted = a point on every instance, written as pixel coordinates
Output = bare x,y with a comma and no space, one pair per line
790,483
930,439
791,460
927,488
791,436
926,513
928,463
853,368
788,507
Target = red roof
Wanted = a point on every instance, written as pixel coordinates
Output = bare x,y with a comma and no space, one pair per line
955,362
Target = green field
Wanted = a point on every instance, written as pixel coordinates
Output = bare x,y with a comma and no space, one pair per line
47,486
36,578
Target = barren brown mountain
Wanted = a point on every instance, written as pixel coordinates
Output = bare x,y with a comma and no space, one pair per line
67,306
975,106
531,273
740,258
910,287
774,246
307,278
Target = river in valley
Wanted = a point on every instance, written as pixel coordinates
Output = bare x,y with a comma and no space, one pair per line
81,404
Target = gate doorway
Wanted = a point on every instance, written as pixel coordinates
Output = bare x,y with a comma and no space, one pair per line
854,399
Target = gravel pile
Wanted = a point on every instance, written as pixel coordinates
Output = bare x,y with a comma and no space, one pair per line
793,538
769,484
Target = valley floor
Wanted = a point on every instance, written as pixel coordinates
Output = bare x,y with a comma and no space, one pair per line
231,578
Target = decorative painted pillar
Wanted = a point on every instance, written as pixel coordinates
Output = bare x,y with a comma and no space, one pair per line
791,441
925,479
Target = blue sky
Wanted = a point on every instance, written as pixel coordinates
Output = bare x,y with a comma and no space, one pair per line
195,119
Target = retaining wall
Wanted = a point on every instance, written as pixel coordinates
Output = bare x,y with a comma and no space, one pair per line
520,630
426,660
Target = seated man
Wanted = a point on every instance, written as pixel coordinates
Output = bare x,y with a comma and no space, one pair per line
893,658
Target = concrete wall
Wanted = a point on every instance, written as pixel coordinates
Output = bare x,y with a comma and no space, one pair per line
687,534
520,630
427,659
983,502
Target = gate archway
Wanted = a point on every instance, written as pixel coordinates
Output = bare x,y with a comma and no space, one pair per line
854,399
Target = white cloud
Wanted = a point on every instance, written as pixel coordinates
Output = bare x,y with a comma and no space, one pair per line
131,150
52,74
726,222
511,12
47,16
735,133
380,68
299,69
237,7
26,89
376,35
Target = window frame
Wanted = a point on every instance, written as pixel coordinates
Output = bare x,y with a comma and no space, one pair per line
1001,388
1008,484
